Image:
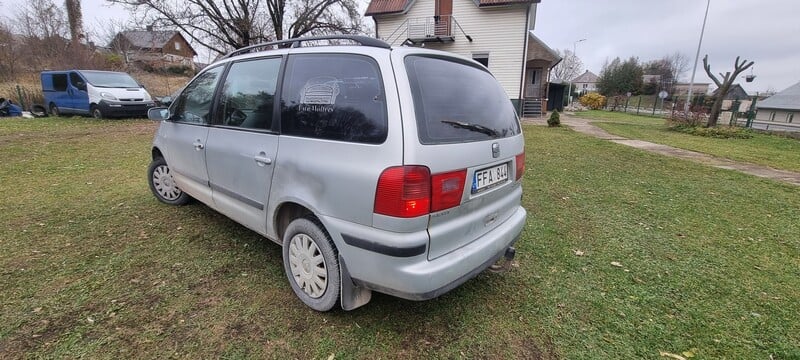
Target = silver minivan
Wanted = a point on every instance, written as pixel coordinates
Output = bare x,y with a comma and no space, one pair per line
395,170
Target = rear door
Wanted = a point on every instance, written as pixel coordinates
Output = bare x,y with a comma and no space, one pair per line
468,134
242,145
186,133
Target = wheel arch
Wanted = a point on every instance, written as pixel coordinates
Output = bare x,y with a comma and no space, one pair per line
288,211
156,153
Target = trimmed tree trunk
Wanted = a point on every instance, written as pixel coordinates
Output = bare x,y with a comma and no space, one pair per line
75,20
722,86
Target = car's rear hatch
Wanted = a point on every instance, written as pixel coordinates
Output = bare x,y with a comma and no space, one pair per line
468,135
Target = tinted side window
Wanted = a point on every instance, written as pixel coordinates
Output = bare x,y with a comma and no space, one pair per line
335,97
60,82
194,103
456,102
76,81
248,94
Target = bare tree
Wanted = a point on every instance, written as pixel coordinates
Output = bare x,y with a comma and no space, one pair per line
222,25
570,66
723,86
75,21
679,63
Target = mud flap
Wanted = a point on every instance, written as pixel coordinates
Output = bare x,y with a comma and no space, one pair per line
352,296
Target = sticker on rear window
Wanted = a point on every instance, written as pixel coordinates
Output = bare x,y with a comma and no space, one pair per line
319,94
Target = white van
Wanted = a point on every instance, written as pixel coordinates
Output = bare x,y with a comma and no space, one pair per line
97,93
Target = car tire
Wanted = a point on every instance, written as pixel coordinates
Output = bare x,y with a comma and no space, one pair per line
163,185
311,263
96,112
54,110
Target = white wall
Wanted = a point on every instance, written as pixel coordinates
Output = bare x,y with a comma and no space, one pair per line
781,116
499,31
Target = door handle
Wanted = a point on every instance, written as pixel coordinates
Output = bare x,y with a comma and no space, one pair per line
262,159
198,145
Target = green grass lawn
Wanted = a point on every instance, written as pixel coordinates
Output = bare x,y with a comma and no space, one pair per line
769,150
625,254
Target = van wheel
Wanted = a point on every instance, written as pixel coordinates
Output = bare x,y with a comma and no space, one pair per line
54,110
96,113
163,185
311,263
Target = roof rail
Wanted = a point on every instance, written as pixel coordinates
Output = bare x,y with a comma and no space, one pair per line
363,40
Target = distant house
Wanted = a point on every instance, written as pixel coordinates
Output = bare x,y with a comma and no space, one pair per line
586,82
736,92
159,49
497,34
782,107
682,89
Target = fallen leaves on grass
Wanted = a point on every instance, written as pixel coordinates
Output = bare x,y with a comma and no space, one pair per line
578,252
616,263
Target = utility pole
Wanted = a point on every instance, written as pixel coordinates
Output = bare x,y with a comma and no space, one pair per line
696,58
569,92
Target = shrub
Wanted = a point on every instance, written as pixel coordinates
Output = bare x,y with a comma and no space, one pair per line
593,101
718,132
554,119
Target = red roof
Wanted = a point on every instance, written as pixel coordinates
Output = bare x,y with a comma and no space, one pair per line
506,2
382,7
378,7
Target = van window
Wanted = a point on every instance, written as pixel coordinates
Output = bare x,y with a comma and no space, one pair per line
194,103
248,94
458,102
110,79
60,82
77,81
335,97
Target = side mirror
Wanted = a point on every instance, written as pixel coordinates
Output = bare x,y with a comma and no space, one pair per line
158,113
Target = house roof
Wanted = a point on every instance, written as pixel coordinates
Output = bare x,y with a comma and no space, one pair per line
385,7
587,77
482,3
554,57
736,92
381,7
148,39
788,99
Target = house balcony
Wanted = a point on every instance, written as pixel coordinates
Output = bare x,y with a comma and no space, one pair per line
420,30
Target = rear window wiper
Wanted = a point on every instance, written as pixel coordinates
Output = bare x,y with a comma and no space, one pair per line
471,127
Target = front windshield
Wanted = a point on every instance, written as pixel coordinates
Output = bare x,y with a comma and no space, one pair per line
110,79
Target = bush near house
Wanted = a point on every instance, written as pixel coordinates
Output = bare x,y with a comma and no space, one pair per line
554,119
593,101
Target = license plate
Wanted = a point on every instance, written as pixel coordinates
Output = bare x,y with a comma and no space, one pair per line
489,177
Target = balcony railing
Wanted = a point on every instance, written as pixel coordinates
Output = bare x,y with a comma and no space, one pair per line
414,31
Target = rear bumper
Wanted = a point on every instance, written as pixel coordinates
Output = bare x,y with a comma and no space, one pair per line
415,277
125,109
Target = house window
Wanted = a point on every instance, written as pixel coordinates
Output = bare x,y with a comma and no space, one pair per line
177,45
772,116
482,58
534,76
789,117
585,86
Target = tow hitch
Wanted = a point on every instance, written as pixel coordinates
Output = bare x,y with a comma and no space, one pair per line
504,264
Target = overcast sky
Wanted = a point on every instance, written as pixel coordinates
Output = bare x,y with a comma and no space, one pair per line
766,31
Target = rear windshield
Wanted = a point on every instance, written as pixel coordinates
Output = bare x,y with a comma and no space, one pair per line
457,102
110,79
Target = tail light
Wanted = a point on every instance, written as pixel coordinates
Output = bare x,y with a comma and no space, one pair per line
411,191
447,189
520,162
404,191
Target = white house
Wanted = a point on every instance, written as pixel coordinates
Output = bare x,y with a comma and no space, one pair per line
496,33
586,82
783,107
